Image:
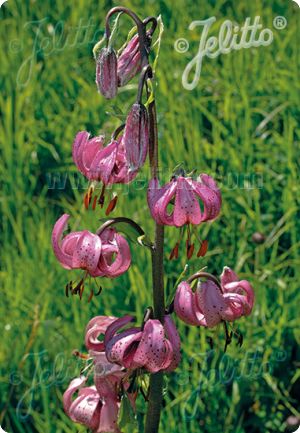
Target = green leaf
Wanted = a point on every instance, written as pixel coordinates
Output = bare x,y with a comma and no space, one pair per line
131,229
127,416
157,43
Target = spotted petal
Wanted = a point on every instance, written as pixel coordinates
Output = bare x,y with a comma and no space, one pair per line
186,306
96,328
64,259
87,251
211,302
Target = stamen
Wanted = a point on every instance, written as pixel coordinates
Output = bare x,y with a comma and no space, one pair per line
112,205
102,196
174,252
86,200
91,296
80,355
94,202
81,289
189,250
203,249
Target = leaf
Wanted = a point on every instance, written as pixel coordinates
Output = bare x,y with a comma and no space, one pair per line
114,31
131,229
126,415
157,43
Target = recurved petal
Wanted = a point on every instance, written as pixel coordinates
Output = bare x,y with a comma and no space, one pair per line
186,208
228,276
79,143
114,267
96,328
87,251
122,347
109,416
64,259
69,242
90,150
85,409
211,302
186,307
153,194
115,326
151,351
174,339
241,287
210,195
104,162
161,214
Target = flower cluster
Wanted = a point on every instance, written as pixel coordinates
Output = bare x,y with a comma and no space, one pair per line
97,406
122,353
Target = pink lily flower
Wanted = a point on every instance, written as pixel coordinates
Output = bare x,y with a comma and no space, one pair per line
97,407
107,255
184,192
210,303
155,347
96,162
96,328
96,410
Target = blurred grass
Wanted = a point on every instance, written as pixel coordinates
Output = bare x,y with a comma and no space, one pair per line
240,122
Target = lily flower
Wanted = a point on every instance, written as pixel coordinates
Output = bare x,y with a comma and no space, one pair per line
185,193
154,347
105,255
90,408
212,303
97,407
96,162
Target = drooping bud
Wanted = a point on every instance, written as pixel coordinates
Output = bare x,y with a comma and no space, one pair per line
129,61
106,73
136,136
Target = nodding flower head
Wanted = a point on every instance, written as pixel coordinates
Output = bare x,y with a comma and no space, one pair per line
96,162
129,61
213,302
106,73
154,347
185,203
184,194
89,408
97,406
106,255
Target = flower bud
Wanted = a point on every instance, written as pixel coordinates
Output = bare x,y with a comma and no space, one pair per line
129,61
106,73
136,136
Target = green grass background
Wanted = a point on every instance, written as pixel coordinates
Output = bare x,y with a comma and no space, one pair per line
241,120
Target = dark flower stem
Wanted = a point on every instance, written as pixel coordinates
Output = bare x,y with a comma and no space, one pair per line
156,380
157,251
